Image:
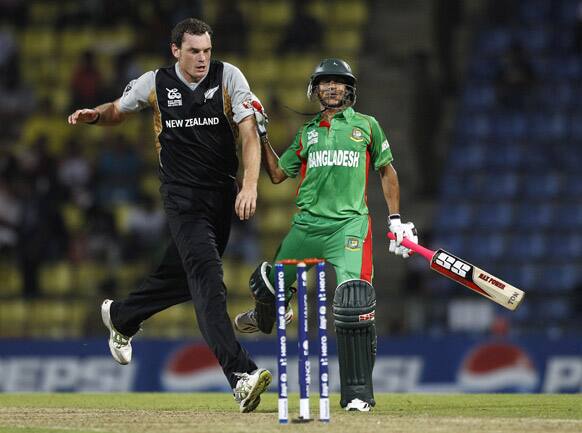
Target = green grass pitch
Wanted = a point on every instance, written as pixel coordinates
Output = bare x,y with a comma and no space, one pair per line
204,412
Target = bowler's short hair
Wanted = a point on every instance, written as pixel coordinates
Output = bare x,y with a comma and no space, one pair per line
192,26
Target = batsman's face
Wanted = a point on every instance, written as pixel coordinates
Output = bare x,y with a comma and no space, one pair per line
193,56
331,90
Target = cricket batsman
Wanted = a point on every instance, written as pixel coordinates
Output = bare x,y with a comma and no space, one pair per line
333,153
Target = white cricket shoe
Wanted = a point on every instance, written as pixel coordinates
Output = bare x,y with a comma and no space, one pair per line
119,344
250,387
246,322
359,405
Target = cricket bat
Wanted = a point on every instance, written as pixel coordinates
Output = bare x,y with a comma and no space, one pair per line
468,275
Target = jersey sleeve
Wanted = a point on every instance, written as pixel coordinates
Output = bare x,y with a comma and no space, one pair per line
239,91
290,161
136,93
379,147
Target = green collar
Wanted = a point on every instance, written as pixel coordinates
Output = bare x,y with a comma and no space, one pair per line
347,114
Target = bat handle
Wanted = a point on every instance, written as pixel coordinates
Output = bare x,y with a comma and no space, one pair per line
424,252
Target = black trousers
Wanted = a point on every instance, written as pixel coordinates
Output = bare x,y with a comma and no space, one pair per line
191,270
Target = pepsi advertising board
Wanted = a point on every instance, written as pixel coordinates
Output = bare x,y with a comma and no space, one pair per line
411,364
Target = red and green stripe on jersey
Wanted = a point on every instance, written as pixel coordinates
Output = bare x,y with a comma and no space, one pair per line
333,160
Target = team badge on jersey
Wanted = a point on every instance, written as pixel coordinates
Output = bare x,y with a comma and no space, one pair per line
174,98
210,93
357,135
353,244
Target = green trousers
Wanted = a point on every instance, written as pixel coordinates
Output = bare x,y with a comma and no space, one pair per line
345,244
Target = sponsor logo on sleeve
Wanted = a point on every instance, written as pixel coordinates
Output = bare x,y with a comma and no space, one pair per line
312,136
385,145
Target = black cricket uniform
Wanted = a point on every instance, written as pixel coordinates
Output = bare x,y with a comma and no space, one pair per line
198,164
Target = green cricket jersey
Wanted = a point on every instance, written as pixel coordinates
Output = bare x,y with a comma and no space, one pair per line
334,162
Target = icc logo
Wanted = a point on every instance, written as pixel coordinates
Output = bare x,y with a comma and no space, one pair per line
174,94
174,98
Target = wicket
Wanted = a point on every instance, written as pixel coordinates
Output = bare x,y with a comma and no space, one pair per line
302,340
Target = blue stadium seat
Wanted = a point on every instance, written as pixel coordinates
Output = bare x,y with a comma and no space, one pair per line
453,242
541,68
570,245
471,156
542,185
452,186
535,40
493,41
534,158
462,186
534,11
524,276
556,96
535,216
527,247
478,96
565,67
572,186
486,247
510,126
546,126
560,278
502,186
483,68
518,172
563,40
478,125
454,216
576,126
494,216
554,309
508,156
569,215
566,155
567,12
442,286
522,315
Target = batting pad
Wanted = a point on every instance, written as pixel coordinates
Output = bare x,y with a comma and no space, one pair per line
354,308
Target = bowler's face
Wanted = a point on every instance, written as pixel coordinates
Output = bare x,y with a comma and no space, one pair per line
193,56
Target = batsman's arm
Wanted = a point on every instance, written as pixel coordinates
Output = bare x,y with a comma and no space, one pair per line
104,114
271,161
390,188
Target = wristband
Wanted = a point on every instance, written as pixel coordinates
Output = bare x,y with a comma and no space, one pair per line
393,217
93,122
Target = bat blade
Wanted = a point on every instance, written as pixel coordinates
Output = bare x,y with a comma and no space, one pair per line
469,275
477,279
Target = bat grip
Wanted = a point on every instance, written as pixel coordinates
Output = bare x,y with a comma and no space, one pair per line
424,252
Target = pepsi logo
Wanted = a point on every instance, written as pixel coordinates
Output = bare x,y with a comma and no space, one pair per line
497,367
193,368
